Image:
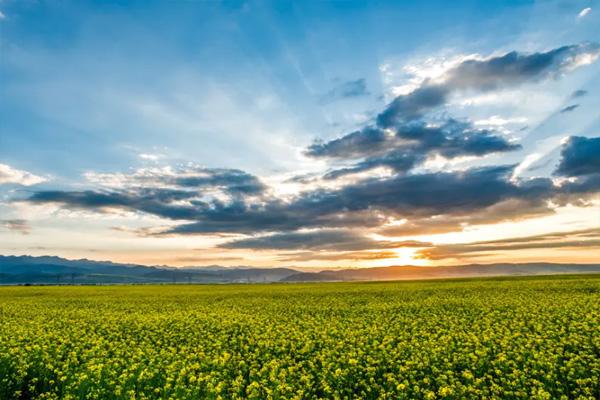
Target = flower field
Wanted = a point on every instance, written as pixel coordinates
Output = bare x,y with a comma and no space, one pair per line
511,338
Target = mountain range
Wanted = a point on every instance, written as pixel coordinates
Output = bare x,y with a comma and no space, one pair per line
19,270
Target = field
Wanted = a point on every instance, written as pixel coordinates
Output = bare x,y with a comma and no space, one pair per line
517,338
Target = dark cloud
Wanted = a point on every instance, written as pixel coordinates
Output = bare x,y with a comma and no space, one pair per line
423,226
516,68
469,251
303,178
569,108
578,192
332,240
160,202
509,70
508,210
450,138
455,138
423,195
413,105
409,145
580,233
276,216
184,194
588,238
579,93
16,225
366,204
230,180
85,199
401,138
397,161
443,193
580,156
355,88
369,140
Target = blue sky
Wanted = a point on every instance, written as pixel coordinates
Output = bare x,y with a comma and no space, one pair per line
92,93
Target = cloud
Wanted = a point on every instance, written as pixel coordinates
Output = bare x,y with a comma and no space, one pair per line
336,256
409,145
229,180
509,70
332,240
579,93
2,16
16,225
205,259
584,12
165,203
150,157
369,140
19,177
588,238
455,138
369,203
275,216
372,202
401,138
428,193
495,120
579,156
465,192
450,139
397,161
348,89
185,193
508,210
413,105
186,177
569,108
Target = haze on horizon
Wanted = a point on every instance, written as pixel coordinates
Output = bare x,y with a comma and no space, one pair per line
301,133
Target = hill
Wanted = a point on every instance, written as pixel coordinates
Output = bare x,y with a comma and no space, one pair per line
18,270
409,272
56,270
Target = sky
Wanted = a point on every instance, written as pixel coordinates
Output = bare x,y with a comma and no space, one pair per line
311,134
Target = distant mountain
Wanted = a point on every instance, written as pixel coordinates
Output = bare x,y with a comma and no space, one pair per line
459,271
55,270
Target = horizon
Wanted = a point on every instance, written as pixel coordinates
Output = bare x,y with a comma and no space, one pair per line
271,134
293,267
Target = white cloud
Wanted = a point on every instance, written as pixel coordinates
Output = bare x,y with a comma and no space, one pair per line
585,59
526,163
496,120
12,175
150,156
2,15
584,12
401,80
146,176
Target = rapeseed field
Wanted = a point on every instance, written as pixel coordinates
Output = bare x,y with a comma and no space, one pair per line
517,338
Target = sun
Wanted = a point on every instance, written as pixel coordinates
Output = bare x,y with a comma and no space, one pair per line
404,256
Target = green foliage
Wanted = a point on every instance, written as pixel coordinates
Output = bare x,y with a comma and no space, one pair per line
536,338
